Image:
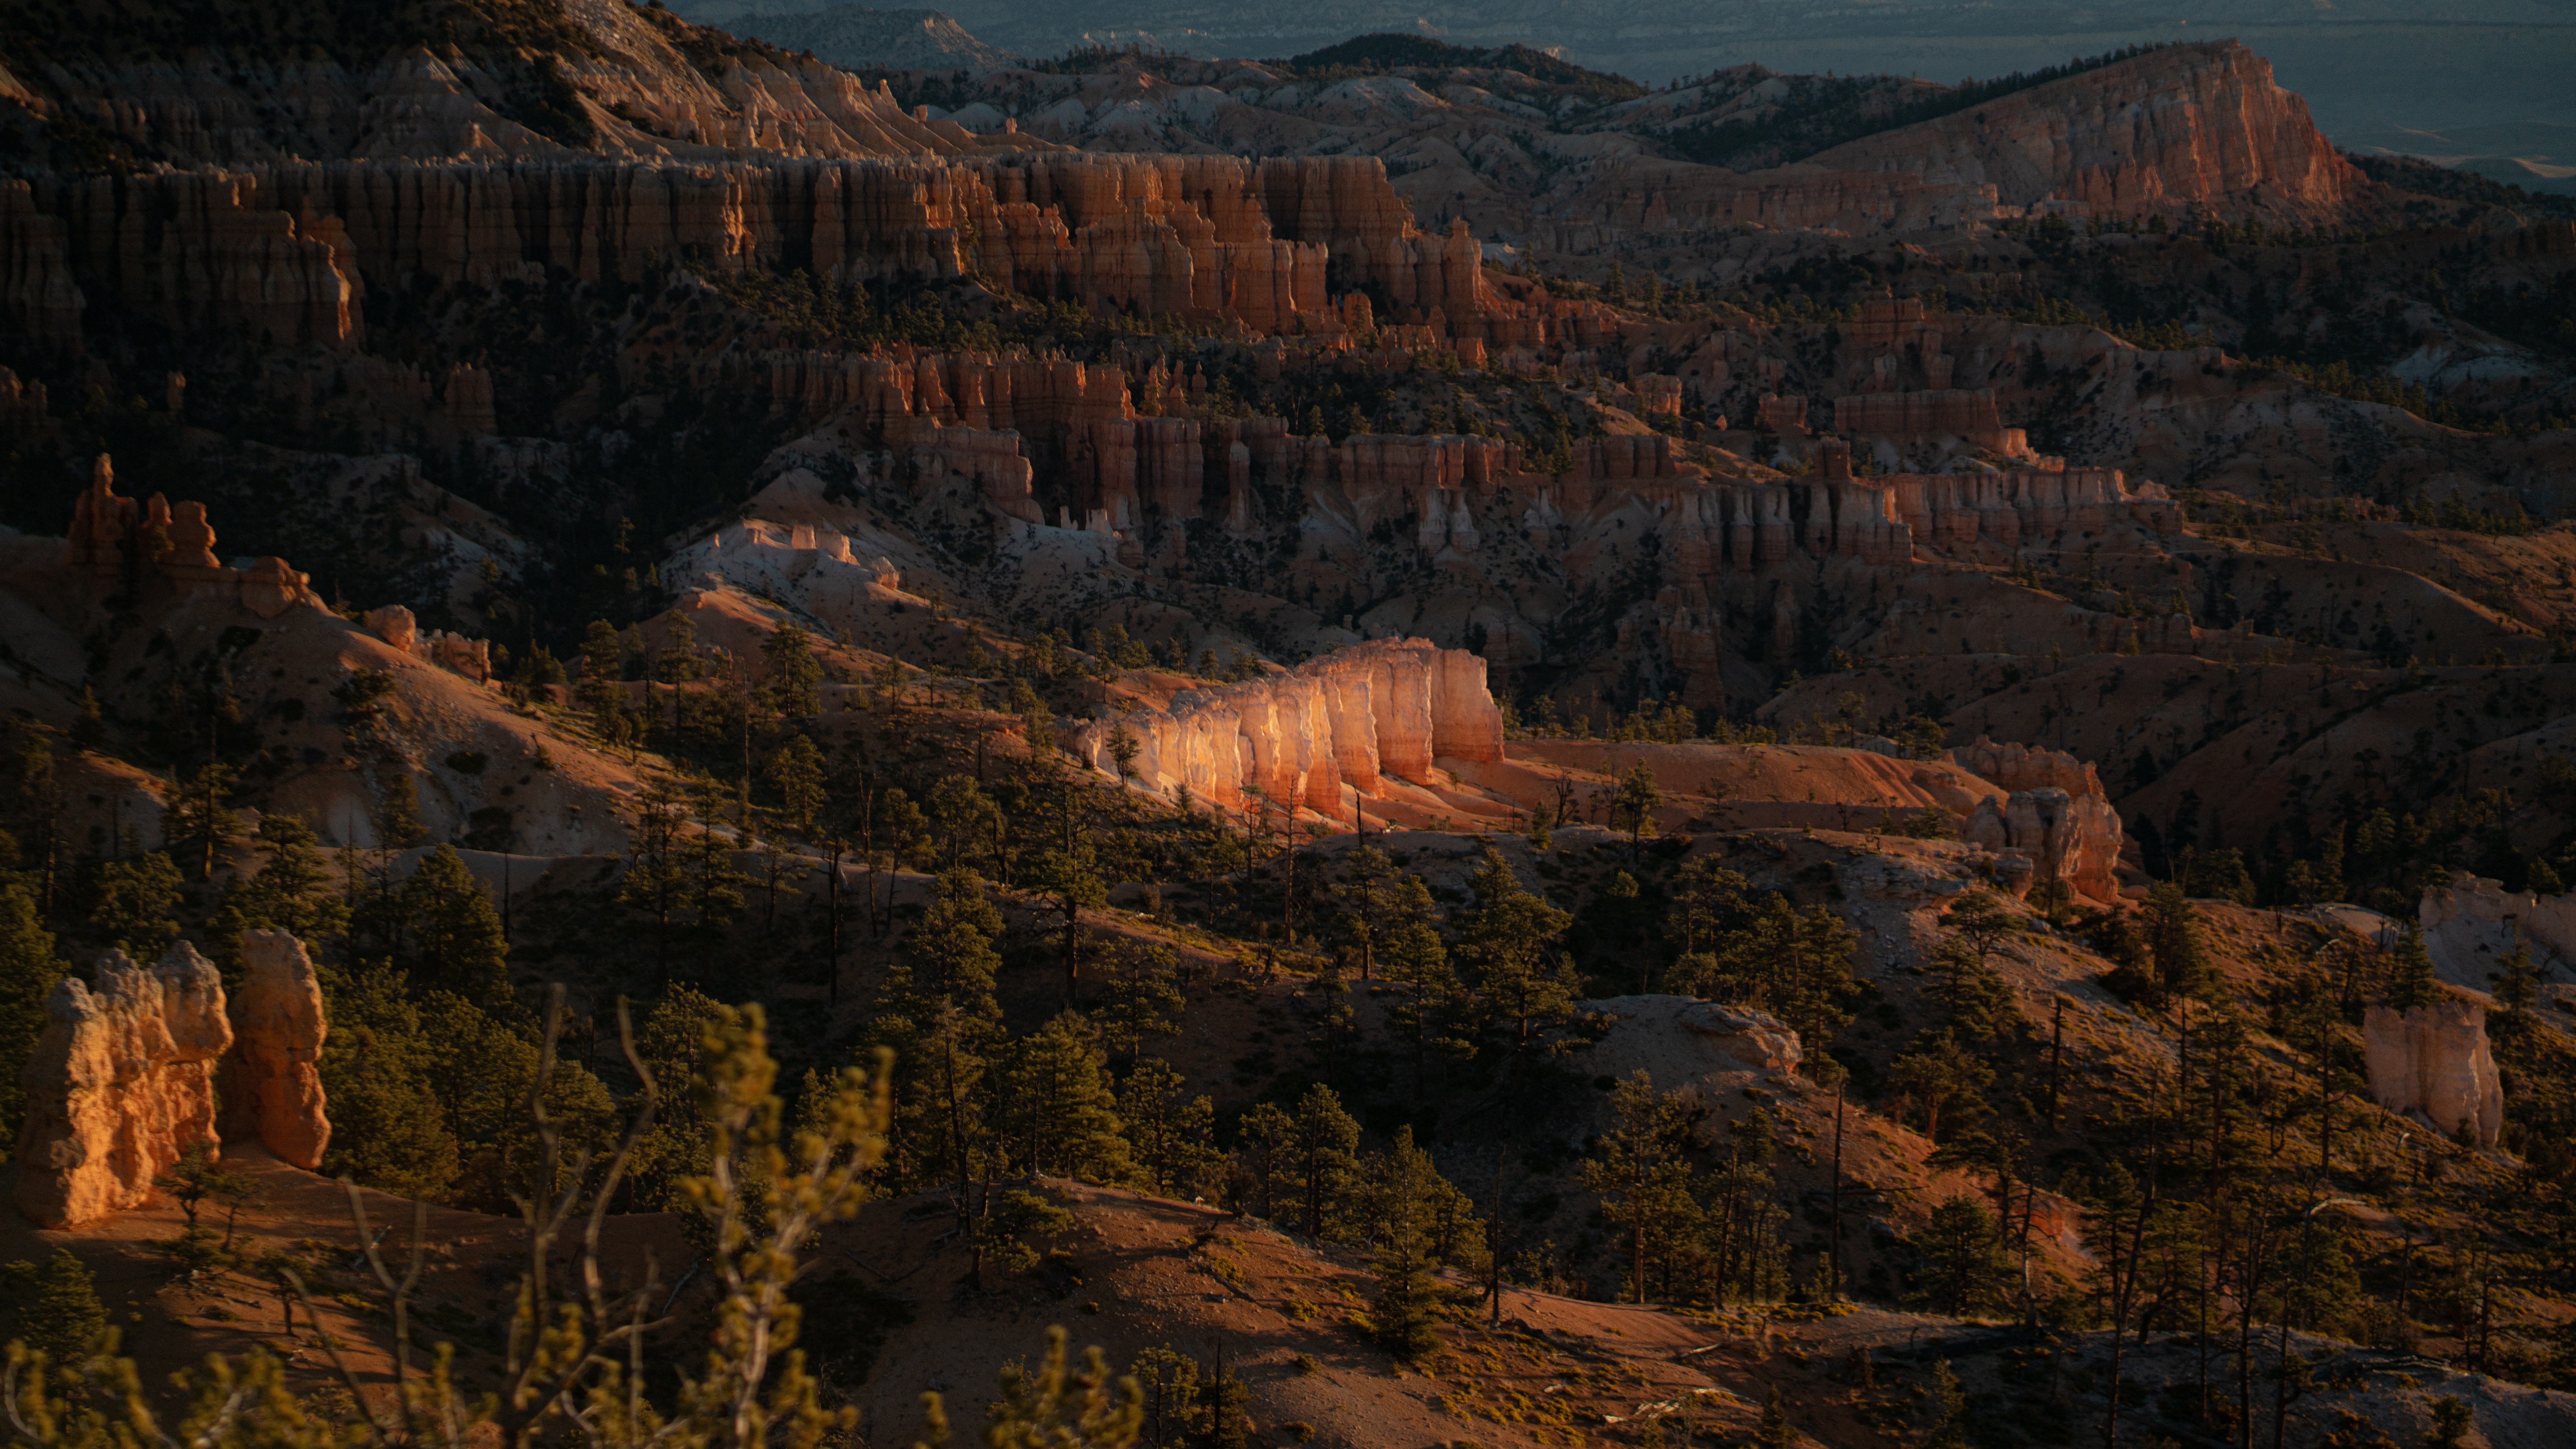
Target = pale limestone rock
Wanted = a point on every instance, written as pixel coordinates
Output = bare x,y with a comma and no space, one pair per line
1344,722
2434,1060
120,1085
2472,924
271,1079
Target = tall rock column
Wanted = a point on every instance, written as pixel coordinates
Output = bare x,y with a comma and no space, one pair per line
272,1079
121,1084
2434,1060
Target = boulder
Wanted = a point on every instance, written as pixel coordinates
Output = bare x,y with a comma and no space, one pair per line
2433,1060
271,1080
120,1085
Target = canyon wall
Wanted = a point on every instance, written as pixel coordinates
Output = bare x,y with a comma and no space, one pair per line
286,250
2434,1060
2179,126
1302,738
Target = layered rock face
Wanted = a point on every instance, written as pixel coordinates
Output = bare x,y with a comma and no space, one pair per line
271,1080
2158,133
1302,738
285,251
2434,1060
120,1085
2053,812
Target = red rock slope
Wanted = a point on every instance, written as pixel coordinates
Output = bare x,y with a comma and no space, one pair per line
2160,132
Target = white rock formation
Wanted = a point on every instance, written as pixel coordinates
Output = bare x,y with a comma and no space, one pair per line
1311,735
2434,1060
2473,923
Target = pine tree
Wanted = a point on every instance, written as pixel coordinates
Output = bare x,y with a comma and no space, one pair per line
603,654
453,931
1405,1315
1949,1410
198,824
59,1312
1053,1106
1640,1168
29,971
795,772
397,813
1171,1136
2411,982
134,904
949,955
795,676
2517,989
1632,809
2173,941
1510,945
387,1127
1963,1258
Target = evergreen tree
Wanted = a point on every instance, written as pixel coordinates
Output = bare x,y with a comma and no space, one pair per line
1321,1146
1774,1432
29,971
949,955
59,1312
454,933
1633,808
674,1043
795,675
1510,947
795,772
1066,875
2517,988
1170,1382
1942,1077
656,880
1053,1106
1706,897
134,905
1794,964
198,823
1140,996
2173,941
603,655
289,891
1964,1266
387,1128
2411,982
1405,1314
397,813
1948,1409
1641,1169
1171,1136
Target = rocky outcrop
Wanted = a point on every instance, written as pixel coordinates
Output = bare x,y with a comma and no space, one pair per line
2471,924
120,1085
2177,127
111,535
2433,1060
2052,812
1688,1045
271,1080
454,652
1352,721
